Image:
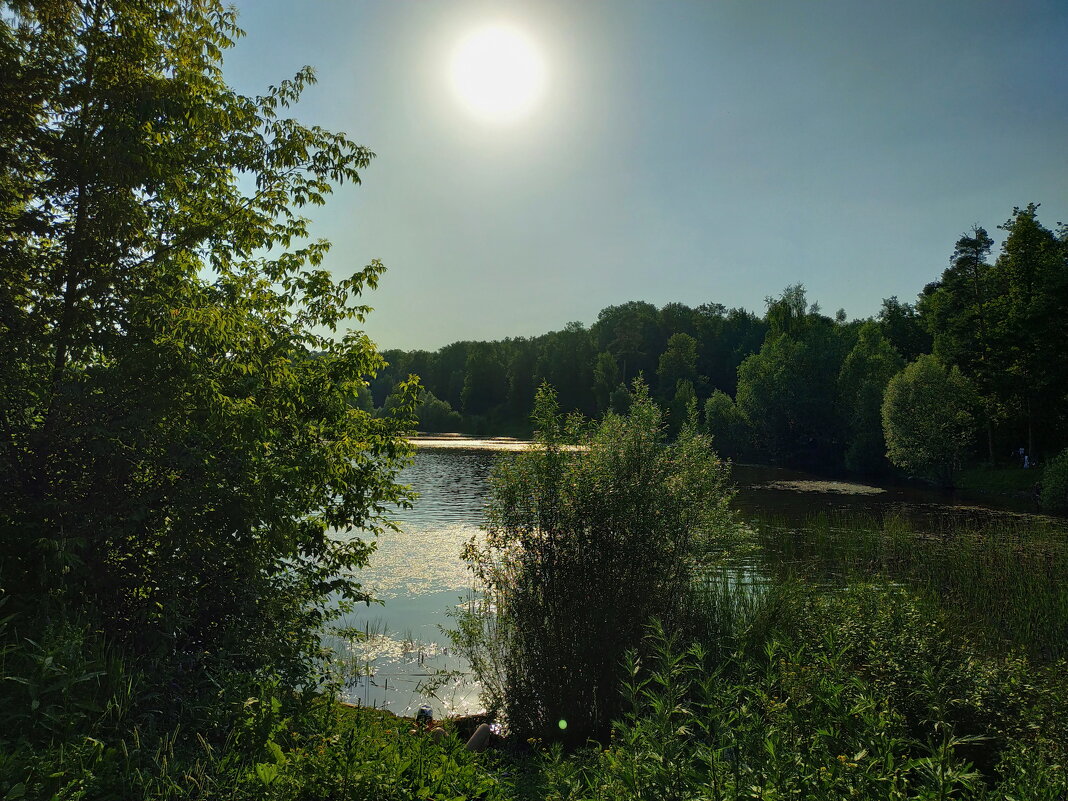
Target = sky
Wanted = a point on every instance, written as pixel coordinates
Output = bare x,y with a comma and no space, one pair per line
688,152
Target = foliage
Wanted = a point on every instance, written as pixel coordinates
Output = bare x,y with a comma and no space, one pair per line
567,363
583,545
1032,277
787,391
726,425
677,363
486,381
786,394
683,406
279,747
861,383
869,697
606,378
631,333
1054,492
903,328
927,419
1001,324
182,433
436,415
1002,582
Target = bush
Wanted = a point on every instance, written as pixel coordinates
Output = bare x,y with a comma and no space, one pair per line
1054,493
927,419
584,544
867,693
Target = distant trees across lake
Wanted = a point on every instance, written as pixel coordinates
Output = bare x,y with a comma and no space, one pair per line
794,385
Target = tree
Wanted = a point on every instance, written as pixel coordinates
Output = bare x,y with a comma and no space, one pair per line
522,384
677,363
606,378
789,313
567,363
861,384
180,438
1053,492
676,318
726,425
683,406
631,333
486,379
725,339
1032,332
787,391
582,547
960,312
904,329
436,415
927,419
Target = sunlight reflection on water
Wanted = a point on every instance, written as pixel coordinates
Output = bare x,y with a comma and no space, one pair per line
420,576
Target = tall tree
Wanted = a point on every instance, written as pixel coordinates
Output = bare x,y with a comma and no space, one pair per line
606,378
1032,274
961,314
486,379
631,333
861,383
567,364
787,390
177,380
903,327
677,363
786,393
522,382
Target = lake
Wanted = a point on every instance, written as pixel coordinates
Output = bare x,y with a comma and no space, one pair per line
420,577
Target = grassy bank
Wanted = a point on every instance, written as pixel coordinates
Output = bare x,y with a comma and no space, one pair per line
877,663
1000,480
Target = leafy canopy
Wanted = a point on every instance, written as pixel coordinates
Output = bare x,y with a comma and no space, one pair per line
178,381
928,419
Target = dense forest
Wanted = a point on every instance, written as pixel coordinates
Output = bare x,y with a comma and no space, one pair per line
794,385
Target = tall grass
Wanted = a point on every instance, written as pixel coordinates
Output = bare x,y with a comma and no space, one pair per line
1006,581
864,693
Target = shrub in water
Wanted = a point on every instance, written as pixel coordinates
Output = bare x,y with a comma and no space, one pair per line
589,535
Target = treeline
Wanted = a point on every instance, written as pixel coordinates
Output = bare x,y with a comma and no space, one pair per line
793,386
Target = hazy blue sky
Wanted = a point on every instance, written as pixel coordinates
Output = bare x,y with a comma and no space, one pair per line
692,152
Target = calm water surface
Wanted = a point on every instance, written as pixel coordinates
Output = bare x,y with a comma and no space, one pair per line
420,577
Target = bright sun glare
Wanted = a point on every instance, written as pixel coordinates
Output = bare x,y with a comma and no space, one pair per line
497,73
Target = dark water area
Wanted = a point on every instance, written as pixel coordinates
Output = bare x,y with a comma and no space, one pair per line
792,497
452,484
419,575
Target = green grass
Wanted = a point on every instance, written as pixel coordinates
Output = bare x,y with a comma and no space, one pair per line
999,480
1004,582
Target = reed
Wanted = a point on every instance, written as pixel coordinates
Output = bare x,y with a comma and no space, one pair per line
1005,581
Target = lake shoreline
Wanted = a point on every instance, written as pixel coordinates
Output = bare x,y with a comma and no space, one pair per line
966,494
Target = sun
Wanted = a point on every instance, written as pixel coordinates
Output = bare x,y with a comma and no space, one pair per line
497,73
